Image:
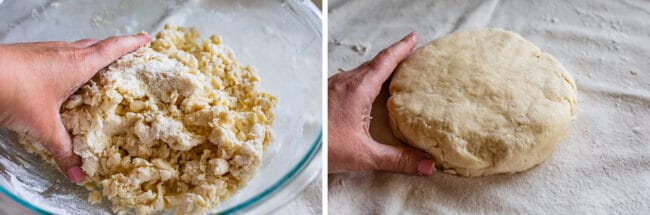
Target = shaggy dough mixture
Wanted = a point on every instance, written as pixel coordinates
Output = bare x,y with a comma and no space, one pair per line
482,102
178,125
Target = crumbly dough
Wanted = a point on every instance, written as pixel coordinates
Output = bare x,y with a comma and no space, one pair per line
178,125
482,102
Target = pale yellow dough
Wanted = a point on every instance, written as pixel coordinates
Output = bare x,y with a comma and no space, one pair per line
177,125
482,102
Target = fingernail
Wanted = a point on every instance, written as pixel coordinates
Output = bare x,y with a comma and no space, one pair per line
412,34
409,35
75,174
145,34
426,167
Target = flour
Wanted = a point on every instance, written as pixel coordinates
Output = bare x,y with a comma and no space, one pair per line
601,167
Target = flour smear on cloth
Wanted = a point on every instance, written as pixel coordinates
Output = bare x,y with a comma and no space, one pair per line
179,125
602,166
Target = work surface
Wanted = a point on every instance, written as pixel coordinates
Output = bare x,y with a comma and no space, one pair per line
602,166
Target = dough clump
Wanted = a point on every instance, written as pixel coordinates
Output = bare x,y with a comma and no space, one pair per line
482,102
177,125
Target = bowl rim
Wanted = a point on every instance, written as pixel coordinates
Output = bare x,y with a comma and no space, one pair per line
316,146
313,15
21,202
308,158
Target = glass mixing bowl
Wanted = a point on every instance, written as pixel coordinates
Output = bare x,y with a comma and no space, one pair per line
281,39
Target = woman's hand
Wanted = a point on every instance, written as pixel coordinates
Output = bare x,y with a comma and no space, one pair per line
351,93
38,77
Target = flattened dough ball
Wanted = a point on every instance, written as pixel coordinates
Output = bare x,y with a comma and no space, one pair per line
482,102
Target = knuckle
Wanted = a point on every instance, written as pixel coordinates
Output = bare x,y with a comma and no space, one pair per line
62,154
380,64
376,63
402,160
344,82
385,52
107,46
112,38
76,58
57,149
382,59
104,48
59,43
335,84
76,55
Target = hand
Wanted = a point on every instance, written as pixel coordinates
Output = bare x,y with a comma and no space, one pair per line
351,93
38,77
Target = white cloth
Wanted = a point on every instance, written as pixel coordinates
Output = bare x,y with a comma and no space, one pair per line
601,167
307,203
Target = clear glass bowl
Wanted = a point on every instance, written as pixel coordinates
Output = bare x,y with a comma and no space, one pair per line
281,39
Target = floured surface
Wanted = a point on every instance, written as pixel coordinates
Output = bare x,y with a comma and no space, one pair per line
601,166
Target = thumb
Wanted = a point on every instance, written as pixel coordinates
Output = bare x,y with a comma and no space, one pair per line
381,66
402,159
58,143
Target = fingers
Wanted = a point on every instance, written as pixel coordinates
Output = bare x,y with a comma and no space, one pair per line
106,51
58,143
84,43
382,66
402,159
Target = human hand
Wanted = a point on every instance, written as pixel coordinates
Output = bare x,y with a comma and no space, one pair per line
351,93
38,77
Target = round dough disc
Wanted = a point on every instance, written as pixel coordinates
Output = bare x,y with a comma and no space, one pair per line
482,102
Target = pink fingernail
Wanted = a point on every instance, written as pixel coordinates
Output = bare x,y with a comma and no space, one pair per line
75,174
145,34
426,167
409,35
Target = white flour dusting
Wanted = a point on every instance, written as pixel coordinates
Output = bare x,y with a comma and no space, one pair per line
602,166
